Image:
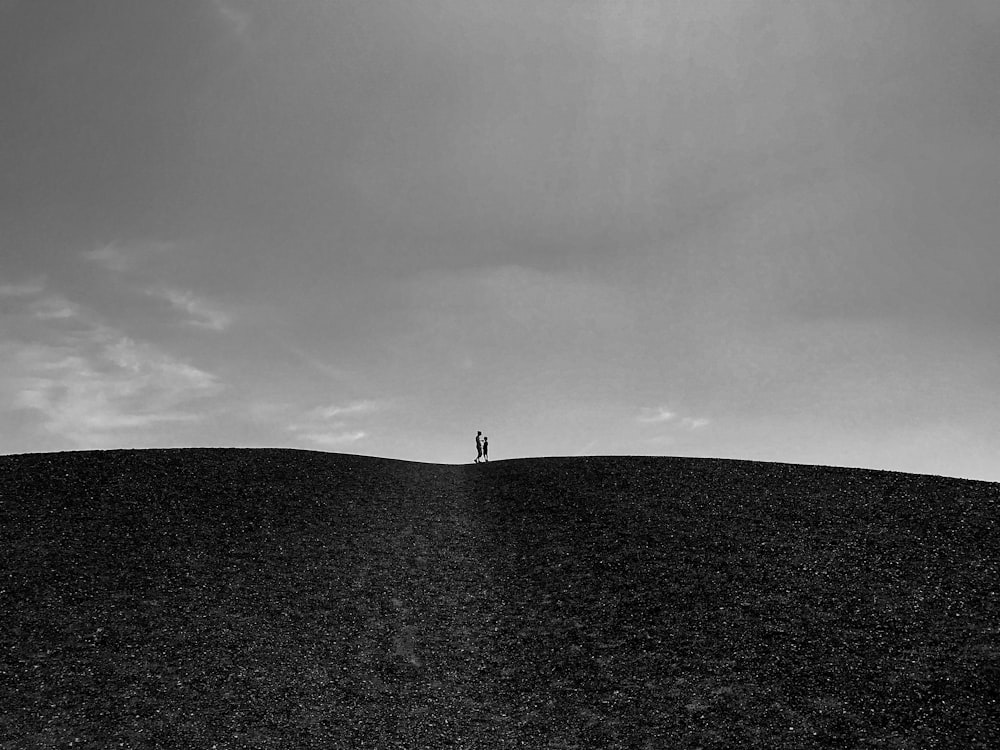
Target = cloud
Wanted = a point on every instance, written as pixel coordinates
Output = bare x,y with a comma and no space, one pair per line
32,298
662,415
653,415
22,289
88,394
54,307
236,19
316,363
119,259
332,439
336,424
200,312
111,383
133,262
352,408
88,382
110,257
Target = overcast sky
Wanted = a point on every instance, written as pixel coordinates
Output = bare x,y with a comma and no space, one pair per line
736,228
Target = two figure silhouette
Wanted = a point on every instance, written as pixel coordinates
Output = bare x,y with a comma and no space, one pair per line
482,447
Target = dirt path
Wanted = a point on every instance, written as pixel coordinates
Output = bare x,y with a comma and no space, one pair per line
426,653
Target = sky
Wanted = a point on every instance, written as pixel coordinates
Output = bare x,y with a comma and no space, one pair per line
752,229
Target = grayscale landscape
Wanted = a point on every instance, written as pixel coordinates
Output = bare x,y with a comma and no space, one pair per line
716,280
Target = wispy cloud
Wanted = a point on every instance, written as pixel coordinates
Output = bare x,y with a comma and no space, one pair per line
22,289
200,312
337,424
352,408
307,357
89,394
134,263
34,299
87,381
334,439
655,414
322,426
88,399
53,307
123,259
237,19
110,257
663,415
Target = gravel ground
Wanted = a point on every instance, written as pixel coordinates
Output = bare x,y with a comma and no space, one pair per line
224,598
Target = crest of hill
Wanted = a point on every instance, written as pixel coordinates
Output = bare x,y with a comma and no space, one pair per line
267,478
241,493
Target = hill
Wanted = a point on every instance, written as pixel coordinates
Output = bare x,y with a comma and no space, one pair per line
237,598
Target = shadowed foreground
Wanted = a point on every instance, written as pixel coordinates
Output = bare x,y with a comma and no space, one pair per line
288,599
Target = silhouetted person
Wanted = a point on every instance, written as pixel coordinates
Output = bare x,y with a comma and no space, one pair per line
486,449
479,446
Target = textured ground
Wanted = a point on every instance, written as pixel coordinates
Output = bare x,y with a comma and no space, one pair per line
289,599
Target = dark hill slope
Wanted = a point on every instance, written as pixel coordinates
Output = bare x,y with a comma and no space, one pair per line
285,599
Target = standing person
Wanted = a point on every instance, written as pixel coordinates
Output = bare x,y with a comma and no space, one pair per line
486,449
479,446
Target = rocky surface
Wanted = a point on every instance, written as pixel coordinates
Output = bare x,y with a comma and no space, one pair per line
223,598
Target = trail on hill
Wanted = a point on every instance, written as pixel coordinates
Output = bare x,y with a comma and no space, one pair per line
426,652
